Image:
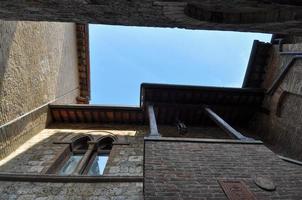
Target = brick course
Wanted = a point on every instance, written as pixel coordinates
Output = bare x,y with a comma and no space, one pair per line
184,170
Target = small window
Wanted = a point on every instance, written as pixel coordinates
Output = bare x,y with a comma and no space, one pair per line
98,165
83,156
100,157
70,165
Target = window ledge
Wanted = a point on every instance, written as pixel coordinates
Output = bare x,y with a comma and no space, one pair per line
67,179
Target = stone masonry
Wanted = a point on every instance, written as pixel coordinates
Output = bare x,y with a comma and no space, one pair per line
39,152
281,129
38,65
70,191
274,16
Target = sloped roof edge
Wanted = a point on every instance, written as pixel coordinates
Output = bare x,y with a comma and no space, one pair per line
82,33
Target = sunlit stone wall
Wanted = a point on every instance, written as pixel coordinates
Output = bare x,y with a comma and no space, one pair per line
38,65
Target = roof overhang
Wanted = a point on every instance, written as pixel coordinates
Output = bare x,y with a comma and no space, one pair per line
82,33
171,103
258,60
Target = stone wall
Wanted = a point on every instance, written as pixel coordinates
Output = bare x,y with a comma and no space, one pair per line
38,153
187,170
281,129
72,191
273,16
14,134
38,63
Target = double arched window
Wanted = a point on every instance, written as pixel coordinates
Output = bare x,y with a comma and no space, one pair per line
84,155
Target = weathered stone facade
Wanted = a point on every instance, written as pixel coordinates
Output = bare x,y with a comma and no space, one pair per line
273,16
70,191
19,131
37,154
38,66
281,129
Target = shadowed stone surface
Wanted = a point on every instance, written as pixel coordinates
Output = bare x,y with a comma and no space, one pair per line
273,16
281,129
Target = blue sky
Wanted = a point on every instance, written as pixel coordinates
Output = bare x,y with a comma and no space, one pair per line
124,57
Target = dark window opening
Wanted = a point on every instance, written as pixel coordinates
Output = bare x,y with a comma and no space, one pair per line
83,156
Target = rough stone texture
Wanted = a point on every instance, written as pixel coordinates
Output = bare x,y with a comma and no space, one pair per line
39,152
19,131
238,15
70,191
282,128
38,63
35,154
126,160
184,170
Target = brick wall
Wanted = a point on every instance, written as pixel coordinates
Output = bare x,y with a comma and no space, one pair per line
186,170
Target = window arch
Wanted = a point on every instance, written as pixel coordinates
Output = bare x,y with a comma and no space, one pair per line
78,149
83,155
97,163
80,143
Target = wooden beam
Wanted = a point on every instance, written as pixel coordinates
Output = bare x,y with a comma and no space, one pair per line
152,122
224,125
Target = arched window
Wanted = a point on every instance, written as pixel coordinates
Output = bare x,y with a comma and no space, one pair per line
84,155
100,157
78,148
